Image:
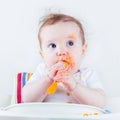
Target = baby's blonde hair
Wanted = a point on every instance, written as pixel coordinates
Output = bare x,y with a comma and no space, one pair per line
55,18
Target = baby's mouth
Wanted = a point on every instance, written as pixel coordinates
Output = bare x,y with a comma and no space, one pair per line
64,61
67,60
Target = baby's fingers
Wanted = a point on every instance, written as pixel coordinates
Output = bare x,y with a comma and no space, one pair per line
52,73
58,79
58,66
55,68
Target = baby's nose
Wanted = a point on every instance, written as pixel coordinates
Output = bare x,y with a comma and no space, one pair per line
62,53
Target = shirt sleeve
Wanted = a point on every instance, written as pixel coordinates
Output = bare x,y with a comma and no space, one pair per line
40,72
91,78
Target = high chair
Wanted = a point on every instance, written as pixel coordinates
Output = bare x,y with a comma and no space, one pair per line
19,82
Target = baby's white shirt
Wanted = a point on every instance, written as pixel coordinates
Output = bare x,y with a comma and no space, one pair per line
86,77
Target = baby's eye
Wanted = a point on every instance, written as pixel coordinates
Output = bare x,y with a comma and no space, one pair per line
69,43
52,45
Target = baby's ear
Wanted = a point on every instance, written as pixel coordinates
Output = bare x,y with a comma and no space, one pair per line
84,48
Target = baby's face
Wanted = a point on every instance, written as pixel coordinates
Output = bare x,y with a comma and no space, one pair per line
60,41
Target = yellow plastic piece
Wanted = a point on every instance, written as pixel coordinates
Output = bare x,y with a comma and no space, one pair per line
52,88
85,115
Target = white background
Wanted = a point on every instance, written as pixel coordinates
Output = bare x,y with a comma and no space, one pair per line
19,48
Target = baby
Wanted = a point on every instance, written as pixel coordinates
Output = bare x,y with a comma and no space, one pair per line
59,78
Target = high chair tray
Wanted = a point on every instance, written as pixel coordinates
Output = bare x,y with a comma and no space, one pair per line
54,110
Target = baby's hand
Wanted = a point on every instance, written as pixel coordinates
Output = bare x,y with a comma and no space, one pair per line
67,80
61,73
60,66
56,73
52,73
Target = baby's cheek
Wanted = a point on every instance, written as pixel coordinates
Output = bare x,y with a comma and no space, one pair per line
49,63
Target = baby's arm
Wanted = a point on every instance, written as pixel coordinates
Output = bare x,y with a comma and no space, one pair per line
36,91
83,94
90,96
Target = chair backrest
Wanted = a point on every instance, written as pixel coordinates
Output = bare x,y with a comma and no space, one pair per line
19,82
